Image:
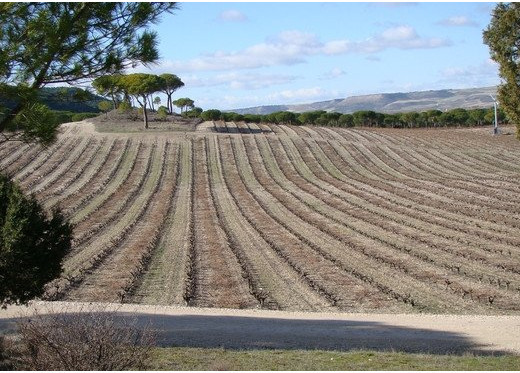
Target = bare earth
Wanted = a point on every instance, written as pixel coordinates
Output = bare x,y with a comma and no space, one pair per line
254,329
402,220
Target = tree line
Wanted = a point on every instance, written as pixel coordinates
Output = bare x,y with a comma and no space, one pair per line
124,89
367,118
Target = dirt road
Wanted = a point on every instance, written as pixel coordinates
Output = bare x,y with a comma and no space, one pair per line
251,329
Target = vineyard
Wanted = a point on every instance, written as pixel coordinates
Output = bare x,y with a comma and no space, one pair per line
242,215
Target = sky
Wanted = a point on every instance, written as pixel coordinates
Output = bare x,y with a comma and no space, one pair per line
242,54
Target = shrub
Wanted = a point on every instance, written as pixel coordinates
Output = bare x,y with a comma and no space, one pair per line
5,361
193,113
124,107
162,113
212,114
91,340
82,116
32,246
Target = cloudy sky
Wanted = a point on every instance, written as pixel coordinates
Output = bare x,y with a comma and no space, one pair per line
235,55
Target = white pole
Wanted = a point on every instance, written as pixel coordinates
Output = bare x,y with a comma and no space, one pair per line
495,127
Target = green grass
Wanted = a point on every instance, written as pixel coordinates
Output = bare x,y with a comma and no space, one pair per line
184,358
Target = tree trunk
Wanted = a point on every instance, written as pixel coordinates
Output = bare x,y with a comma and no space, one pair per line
169,104
145,114
114,101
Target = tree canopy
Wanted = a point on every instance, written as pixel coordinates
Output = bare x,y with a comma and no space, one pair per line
430,118
32,246
108,86
184,103
170,83
141,86
503,39
63,42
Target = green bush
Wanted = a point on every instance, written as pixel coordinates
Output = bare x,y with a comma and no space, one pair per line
32,246
124,107
212,114
78,117
162,113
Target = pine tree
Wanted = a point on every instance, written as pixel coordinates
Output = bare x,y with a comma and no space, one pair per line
32,245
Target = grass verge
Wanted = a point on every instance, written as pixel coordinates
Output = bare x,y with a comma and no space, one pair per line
184,358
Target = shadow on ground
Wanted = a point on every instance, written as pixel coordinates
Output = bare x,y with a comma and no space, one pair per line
250,131
243,333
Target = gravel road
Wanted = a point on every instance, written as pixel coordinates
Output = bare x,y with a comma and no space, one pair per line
252,329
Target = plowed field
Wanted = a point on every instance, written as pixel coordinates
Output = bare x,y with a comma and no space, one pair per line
282,217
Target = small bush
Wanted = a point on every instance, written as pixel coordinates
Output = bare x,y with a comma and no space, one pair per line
81,341
124,107
162,113
82,116
5,361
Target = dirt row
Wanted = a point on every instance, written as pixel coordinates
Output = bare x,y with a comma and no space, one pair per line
285,217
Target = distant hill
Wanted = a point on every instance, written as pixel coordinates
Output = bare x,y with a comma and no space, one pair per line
70,99
444,99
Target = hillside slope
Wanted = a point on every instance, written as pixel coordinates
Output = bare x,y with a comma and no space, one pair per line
445,99
282,217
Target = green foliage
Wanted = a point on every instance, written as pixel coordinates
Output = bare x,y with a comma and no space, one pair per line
328,119
77,117
69,99
193,113
430,118
32,246
184,103
170,83
108,86
140,86
252,118
60,42
105,106
310,117
215,359
227,116
212,114
36,123
345,120
284,117
162,113
503,39
68,116
124,107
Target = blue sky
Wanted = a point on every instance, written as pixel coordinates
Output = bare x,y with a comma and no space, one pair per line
235,55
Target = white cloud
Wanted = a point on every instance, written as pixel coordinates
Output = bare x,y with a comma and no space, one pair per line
292,47
334,73
301,95
296,96
458,21
400,37
239,81
337,47
232,15
483,74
